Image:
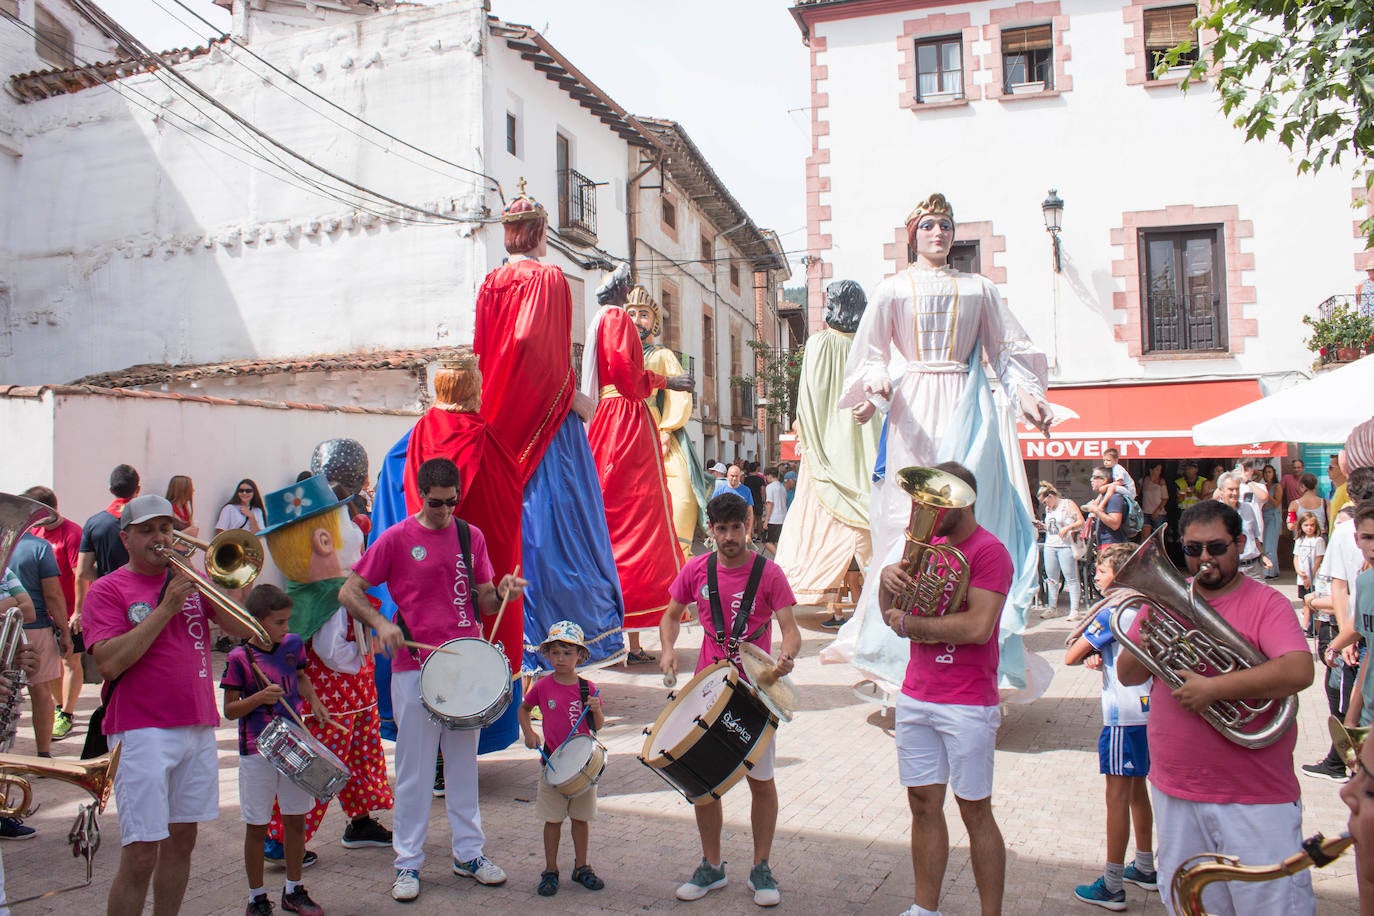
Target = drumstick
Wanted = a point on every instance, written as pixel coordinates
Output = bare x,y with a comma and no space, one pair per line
585,709
428,648
496,627
282,702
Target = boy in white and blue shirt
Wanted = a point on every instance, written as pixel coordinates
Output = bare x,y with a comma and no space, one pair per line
1122,749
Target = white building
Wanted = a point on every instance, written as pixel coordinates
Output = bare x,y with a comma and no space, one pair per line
150,240
1188,255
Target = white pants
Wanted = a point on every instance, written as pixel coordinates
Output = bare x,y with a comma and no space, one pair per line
418,741
4,909
1255,834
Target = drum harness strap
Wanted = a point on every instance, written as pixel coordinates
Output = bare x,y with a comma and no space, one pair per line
746,607
465,544
586,690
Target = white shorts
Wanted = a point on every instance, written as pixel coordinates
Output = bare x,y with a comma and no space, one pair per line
763,770
1255,834
260,783
939,744
44,641
165,776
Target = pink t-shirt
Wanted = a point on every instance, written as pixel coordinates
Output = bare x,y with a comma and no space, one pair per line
423,569
560,705
964,675
173,684
774,594
1191,760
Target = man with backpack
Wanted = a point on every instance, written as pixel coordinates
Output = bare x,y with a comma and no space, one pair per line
1111,511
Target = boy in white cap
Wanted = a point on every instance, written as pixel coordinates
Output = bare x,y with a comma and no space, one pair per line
569,705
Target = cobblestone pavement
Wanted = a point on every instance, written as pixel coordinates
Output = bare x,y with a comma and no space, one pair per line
842,841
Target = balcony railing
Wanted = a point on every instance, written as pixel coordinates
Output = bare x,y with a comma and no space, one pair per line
576,207
577,361
741,404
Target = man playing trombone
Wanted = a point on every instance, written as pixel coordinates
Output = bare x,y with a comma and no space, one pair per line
148,628
1215,792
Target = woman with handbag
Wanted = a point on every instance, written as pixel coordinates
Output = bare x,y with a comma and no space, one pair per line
1061,522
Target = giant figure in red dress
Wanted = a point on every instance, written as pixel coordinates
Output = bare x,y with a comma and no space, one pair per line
624,440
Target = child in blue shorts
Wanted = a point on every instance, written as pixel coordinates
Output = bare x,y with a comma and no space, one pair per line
1123,754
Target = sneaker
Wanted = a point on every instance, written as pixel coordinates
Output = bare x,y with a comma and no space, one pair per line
584,876
12,828
548,883
481,869
834,623
259,906
764,887
298,901
1098,895
439,783
274,854
1335,772
406,887
61,726
1147,879
365,833
704,880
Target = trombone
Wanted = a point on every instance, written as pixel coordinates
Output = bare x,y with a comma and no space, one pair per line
232,561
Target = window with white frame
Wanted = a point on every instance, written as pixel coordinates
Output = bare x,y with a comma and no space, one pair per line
940,69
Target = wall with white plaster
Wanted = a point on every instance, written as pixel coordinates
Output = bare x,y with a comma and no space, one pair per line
1108,148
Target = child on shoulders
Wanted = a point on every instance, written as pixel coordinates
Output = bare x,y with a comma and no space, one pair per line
255,704
1123,754
561,698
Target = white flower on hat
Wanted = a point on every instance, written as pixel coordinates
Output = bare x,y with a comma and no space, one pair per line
296,501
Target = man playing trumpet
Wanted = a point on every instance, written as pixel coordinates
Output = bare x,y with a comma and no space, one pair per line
150,635
1211,794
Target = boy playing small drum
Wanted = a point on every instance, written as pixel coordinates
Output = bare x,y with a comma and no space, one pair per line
561,698
255,705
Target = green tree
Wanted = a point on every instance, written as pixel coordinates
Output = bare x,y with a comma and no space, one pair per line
1301,70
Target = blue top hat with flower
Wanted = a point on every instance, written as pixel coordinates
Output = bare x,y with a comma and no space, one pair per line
299,501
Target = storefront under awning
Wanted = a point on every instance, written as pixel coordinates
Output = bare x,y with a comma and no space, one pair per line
1153,420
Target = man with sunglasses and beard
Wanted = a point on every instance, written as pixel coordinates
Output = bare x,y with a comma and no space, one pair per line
440,577
1210,794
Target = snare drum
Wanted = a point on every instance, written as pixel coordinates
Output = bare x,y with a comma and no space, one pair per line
302,758
468,690
576,766
711,735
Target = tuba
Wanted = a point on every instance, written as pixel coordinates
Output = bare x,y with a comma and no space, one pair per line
940,571
1184,632
232,560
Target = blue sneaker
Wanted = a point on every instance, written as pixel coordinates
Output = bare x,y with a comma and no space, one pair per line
12,828
1098,895
1149,880
274,854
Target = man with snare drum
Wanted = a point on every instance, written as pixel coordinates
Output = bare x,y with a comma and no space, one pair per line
439,575
749,584
947,712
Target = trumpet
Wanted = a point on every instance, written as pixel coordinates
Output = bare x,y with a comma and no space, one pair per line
940,571
232,561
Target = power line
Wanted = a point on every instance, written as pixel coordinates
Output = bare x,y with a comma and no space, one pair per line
226,37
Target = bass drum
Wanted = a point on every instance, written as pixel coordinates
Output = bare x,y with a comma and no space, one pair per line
466,686
710,736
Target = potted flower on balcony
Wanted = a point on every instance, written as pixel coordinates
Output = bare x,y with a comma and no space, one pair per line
1342,335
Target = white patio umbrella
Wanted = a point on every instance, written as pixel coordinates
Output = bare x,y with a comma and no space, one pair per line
1321,410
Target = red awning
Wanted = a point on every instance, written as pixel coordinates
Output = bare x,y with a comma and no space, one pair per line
1143,421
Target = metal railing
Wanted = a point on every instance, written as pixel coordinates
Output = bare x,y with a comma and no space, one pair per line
576,202
741,404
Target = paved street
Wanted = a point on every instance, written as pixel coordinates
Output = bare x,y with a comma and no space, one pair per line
842,837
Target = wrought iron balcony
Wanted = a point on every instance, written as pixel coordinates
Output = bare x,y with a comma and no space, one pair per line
741,404
576,207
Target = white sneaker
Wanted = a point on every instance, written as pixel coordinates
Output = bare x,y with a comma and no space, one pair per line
406,887
481,869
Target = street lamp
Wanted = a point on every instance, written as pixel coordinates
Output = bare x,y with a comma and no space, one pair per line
1053,210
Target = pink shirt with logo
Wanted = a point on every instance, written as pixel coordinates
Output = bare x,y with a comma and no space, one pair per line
560,705
964,675
774,594
173,684
1191,760
423,570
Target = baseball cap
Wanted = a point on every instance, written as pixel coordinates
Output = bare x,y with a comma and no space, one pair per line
718,468
790,475
142,508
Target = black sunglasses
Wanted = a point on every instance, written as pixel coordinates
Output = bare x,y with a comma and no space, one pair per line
1213,548
245,489
451,502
